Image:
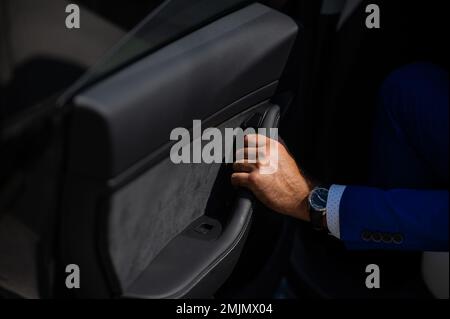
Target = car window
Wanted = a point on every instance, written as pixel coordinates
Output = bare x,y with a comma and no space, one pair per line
40,55
170,21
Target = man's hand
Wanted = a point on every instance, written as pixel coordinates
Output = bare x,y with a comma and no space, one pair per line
285,190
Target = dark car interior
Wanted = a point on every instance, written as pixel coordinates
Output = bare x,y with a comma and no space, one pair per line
85,175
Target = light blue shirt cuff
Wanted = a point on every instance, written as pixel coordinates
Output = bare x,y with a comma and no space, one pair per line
334,200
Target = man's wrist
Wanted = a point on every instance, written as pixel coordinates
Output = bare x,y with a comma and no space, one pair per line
302,212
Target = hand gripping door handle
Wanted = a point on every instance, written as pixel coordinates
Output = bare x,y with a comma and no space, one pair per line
245,199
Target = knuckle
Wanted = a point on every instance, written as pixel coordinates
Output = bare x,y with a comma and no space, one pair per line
235,179
253,178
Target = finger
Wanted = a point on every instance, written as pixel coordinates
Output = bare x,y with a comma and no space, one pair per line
271,147
244,166
252,154
254,140
239,179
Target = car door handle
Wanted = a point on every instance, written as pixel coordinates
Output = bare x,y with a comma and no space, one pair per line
245,199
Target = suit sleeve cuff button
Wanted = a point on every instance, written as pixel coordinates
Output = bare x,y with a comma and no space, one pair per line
398,239
366,235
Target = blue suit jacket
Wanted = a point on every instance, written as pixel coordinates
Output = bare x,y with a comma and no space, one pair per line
372,218
409,157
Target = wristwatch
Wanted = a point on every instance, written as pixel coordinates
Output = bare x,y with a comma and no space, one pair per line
317,202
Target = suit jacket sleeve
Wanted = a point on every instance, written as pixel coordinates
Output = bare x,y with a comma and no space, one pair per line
372,218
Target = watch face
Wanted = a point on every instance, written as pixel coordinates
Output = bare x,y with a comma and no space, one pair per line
318,199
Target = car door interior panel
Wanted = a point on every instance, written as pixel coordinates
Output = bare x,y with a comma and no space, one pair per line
192,78
203,245
137,224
